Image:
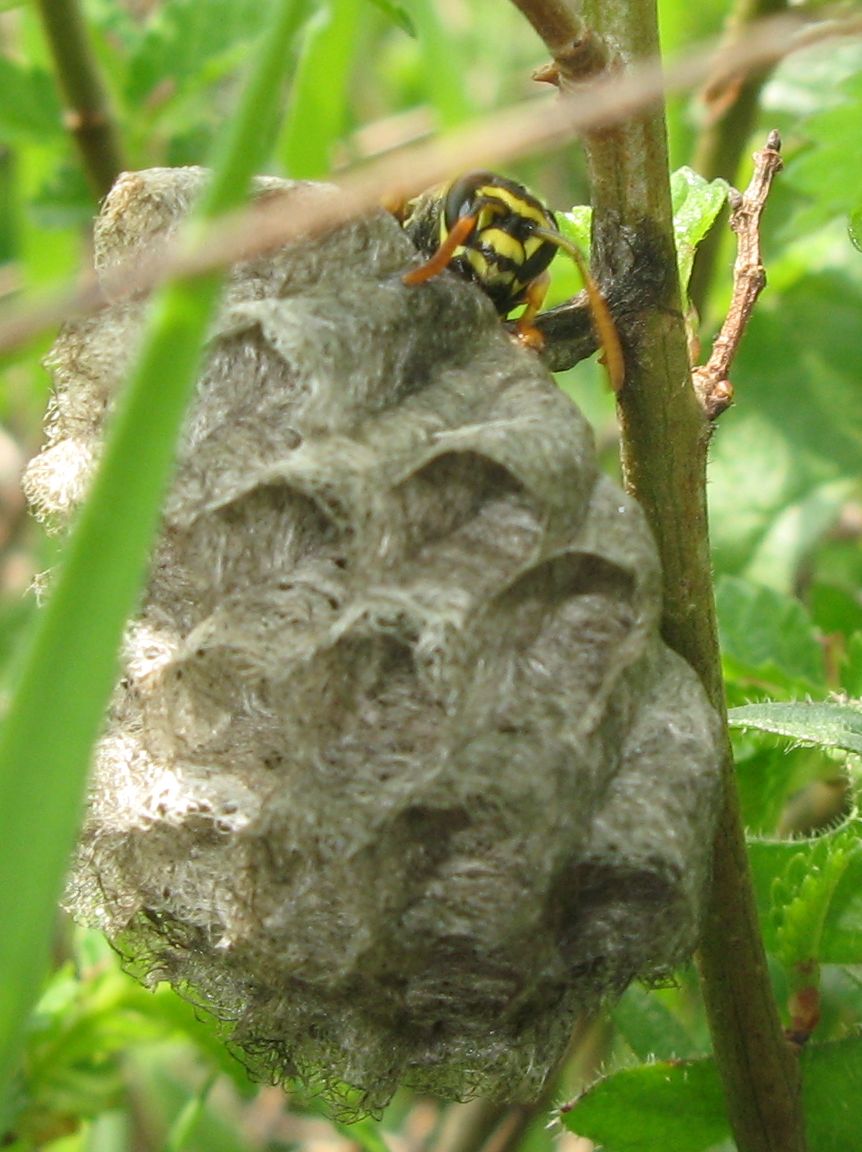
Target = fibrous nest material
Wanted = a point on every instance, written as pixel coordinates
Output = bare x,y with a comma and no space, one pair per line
399,778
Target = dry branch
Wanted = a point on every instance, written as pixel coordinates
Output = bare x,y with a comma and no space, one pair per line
711,381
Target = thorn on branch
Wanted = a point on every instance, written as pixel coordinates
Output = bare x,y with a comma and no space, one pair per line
710,380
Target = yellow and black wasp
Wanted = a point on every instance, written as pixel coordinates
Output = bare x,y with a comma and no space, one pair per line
491,230
496,233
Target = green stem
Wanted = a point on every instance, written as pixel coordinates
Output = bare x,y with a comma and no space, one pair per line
58,707
664,443
722,143
88,115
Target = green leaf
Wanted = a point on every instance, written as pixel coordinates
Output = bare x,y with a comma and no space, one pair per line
795,531
184,1126
786,458
696,204
183,45
445,61
566,279
828,723
575,226
809,896
835,607
767,639
828,172
680,1107
854,228
398,14
30,109
75,1044
783,786
650,1028
832,1094
802,898
677,1107
318,107
851,668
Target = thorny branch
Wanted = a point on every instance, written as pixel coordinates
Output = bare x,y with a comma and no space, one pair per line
749,279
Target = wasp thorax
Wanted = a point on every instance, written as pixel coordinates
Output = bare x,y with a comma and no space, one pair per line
399,778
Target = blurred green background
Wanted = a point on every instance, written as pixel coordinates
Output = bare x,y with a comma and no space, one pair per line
111,1066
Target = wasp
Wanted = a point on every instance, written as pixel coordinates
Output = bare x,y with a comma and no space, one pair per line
492,231
499,235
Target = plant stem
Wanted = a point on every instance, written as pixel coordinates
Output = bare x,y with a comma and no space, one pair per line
87,115
665,435
732,106
664,443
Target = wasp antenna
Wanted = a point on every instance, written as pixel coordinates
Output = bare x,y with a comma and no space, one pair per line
441,258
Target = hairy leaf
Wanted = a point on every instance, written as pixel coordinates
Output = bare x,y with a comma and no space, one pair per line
809,894
828,723
679,1107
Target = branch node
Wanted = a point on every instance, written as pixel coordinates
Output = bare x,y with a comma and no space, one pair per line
715,396
582,59
578,53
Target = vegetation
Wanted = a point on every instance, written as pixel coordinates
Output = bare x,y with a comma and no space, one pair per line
107,1065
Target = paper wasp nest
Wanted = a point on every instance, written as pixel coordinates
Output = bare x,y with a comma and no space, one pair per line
399,778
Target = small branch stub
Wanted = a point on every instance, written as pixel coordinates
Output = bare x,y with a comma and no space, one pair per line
578,60
578,54
711,382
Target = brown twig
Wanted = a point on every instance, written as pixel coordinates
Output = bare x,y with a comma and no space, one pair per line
711,381
87,114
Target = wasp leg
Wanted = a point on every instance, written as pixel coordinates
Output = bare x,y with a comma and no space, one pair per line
440,260
525,331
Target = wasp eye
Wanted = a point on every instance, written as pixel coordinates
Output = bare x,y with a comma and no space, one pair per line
461,196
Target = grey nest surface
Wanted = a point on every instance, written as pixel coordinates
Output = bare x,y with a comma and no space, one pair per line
399,778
